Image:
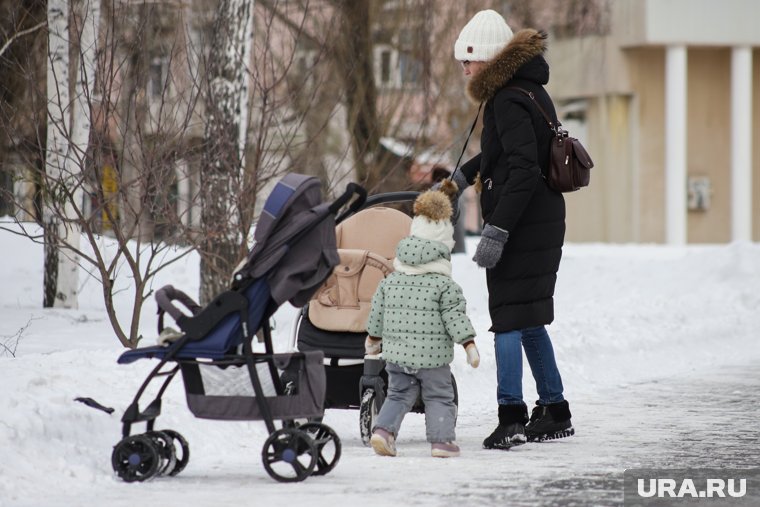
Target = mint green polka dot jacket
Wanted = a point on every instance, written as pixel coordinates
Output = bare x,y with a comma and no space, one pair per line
419,316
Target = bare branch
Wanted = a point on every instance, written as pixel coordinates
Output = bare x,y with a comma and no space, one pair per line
9,344
21,34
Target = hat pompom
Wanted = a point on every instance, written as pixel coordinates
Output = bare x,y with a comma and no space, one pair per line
435,205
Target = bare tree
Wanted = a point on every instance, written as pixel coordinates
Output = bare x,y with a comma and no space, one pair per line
122,171
141,174
344,37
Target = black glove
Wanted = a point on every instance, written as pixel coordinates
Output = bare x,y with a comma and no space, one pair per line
491,246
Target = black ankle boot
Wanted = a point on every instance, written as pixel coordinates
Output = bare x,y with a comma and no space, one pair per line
548,422
511,429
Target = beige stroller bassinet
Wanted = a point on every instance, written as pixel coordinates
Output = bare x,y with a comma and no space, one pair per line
334,321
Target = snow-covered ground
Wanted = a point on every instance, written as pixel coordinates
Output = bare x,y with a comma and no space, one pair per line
653,342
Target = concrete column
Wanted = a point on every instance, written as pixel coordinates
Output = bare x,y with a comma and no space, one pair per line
675,145
741,144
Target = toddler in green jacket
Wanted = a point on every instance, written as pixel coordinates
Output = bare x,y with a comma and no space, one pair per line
418,313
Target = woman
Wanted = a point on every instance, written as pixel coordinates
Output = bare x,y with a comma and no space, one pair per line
524,221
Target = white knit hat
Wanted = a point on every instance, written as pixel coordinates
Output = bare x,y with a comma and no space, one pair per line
434,230
482,37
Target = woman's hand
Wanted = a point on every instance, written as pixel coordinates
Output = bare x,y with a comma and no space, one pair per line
491,246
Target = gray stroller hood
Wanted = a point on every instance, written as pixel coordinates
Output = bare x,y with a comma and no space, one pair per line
294,242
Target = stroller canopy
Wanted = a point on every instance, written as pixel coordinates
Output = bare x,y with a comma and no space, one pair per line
294,242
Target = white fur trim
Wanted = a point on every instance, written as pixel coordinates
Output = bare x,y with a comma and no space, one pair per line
440,266
434,230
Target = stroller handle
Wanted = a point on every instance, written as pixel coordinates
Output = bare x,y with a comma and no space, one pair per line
164,298
374,200
351,189
403,196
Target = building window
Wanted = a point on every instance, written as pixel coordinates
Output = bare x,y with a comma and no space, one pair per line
385,66
409,64
306,62
410,69
399,65
158,73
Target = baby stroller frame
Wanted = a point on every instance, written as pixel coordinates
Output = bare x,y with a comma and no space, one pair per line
346,366
217,339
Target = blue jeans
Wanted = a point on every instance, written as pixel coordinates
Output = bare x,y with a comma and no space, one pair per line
509,367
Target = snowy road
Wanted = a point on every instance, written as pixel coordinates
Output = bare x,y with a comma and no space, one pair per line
694,420
687,422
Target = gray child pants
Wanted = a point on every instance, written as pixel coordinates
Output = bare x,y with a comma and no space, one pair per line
404,386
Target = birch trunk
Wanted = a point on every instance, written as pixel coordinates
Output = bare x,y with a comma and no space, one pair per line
58,267
68,133
224,145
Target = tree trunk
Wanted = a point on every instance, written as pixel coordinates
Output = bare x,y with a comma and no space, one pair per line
224,145
60,270
68,133
355,48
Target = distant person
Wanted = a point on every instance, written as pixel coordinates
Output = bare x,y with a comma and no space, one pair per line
524,221
418,313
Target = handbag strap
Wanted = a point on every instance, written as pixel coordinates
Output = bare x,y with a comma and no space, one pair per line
466,141
554,127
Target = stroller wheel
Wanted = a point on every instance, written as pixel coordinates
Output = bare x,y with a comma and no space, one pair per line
289,455
135,458
165,447
183,456
328,446
368,410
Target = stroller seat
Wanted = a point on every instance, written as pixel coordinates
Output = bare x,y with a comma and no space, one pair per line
224,336
335,319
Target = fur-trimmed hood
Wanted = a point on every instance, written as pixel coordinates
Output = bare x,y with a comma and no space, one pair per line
524,47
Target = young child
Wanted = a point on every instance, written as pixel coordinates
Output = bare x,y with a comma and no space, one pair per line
418,312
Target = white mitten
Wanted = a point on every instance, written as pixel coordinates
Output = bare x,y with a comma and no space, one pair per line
473,357
168,336
372,346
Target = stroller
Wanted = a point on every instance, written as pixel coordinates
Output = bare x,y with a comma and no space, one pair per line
294,252
334,321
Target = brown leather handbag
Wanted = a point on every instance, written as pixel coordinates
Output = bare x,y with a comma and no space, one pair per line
569,162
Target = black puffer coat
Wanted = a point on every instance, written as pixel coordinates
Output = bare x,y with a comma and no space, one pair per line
512,164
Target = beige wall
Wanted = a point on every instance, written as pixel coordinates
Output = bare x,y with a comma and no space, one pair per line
647,71
622,75
626,137
709,140
604,211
